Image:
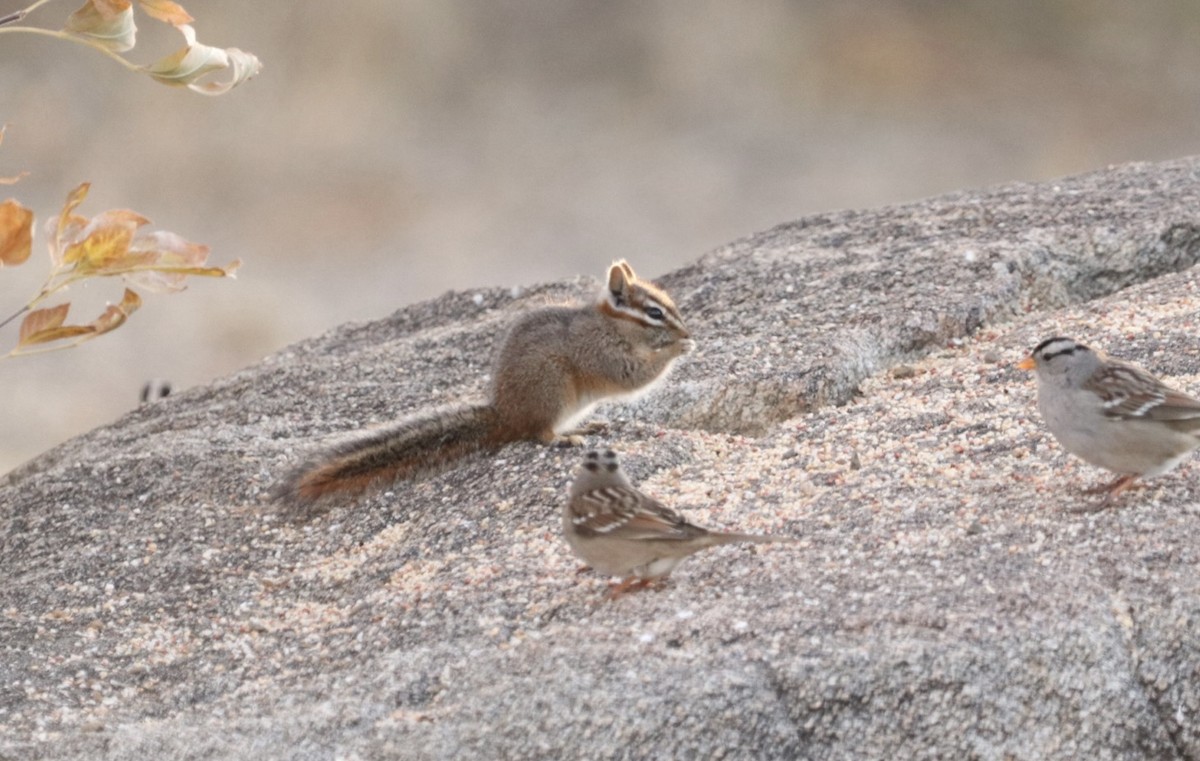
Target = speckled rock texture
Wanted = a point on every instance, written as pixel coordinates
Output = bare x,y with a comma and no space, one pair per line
954,593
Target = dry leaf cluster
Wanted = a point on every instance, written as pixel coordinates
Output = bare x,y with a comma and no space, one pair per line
114,242
109,27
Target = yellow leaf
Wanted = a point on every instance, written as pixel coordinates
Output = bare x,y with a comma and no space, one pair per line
101,246
108,23
188,64
166,11
105,243
16,233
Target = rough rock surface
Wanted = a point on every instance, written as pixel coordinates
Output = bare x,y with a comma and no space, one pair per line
953,594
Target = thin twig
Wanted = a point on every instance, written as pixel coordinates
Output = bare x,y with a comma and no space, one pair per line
19,352
18,15
46,292
15,315
76,39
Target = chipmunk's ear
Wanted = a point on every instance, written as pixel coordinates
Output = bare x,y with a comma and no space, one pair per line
620,278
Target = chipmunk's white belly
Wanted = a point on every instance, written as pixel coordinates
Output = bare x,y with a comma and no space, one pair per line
588,401
573,417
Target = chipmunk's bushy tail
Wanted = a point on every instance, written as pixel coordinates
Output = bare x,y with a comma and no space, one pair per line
405,449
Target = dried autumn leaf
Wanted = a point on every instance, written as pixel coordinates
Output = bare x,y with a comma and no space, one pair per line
68,225
174,258
108,23
16,233
114,315
113,243
104,243
166,11
188,64
168,278
56,334
45,325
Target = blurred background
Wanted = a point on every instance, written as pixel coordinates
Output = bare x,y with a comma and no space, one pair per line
394,149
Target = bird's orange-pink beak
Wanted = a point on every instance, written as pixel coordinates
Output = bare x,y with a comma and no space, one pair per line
1027,364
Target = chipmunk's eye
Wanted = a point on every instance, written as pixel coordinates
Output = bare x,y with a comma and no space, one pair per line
654,313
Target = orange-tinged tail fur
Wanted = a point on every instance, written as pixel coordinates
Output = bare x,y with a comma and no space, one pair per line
405,449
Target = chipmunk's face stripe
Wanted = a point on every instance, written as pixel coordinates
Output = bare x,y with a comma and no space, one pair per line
639,301
649,312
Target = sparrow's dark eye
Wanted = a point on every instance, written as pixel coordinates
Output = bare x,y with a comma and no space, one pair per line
654,313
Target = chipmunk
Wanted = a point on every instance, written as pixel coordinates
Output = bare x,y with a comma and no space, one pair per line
553,367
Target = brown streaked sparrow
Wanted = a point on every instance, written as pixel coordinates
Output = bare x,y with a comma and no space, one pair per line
1111,413
619,531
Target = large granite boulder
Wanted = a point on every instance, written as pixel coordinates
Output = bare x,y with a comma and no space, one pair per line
953,593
